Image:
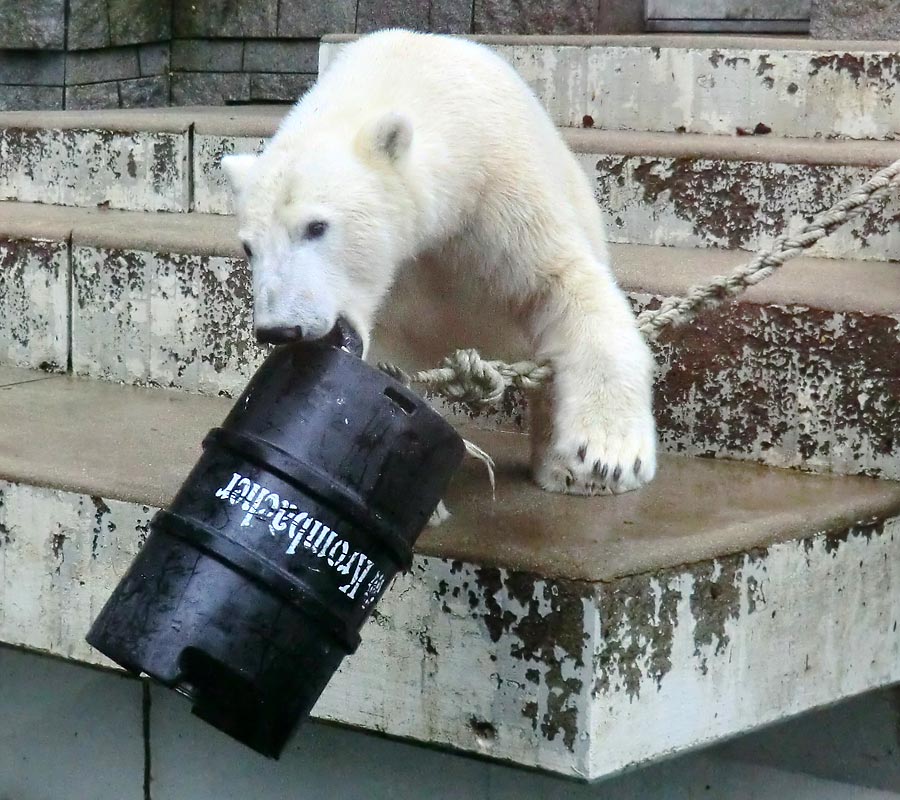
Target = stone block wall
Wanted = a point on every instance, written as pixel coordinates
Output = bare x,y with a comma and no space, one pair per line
227,71
136,76
124,53
112,23
855,19
262,51
38,24
84,53
31,79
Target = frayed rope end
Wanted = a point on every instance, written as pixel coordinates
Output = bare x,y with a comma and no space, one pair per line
475,451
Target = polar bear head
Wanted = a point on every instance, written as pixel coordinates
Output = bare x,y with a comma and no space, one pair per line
326,217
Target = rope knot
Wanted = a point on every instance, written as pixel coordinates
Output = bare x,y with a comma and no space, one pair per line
472,379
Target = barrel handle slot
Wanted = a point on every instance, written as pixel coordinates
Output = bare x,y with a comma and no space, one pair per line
407,406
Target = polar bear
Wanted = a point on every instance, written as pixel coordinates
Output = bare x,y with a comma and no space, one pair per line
423,152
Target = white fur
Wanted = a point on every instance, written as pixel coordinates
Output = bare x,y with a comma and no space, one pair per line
429,152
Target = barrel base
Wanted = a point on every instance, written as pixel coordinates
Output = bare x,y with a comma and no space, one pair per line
251,664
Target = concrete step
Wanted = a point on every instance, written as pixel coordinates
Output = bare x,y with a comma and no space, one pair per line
135,159
138,297
666,189
801,372
701,191
705,84
680,190
580,636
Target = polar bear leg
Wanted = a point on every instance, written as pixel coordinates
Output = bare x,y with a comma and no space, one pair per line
593,430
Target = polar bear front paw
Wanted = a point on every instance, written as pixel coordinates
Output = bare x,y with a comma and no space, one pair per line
600,461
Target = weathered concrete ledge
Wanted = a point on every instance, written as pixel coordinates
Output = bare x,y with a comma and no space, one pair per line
145,170
131,296
116,229
656,188
153,120
699,202
650,40
137,159
578,636
699,84
801,372
682,190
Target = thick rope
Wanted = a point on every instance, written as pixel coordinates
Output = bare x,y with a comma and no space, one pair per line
678,310
466,377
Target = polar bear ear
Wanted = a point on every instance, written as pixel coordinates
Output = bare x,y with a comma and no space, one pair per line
237,169
391,136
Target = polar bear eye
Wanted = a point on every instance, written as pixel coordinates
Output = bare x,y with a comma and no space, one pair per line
247,251
315,229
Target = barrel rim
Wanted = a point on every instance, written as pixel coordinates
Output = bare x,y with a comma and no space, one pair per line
234,555
308,479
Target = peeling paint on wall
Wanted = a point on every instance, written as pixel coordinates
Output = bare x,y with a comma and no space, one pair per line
789,386
685,202
497,663
754,636
676,202
34,304
637,619
61,555
212,194
175,320
140,171
795,93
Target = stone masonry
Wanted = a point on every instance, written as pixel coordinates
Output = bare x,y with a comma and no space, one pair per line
855,19
84,53
139,53
229,71
261,51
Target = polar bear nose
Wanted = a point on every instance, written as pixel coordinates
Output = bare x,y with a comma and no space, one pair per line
281,335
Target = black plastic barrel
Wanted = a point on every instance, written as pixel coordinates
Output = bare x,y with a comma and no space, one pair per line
254,583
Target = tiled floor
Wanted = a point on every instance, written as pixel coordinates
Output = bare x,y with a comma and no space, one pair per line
68,732
72,733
